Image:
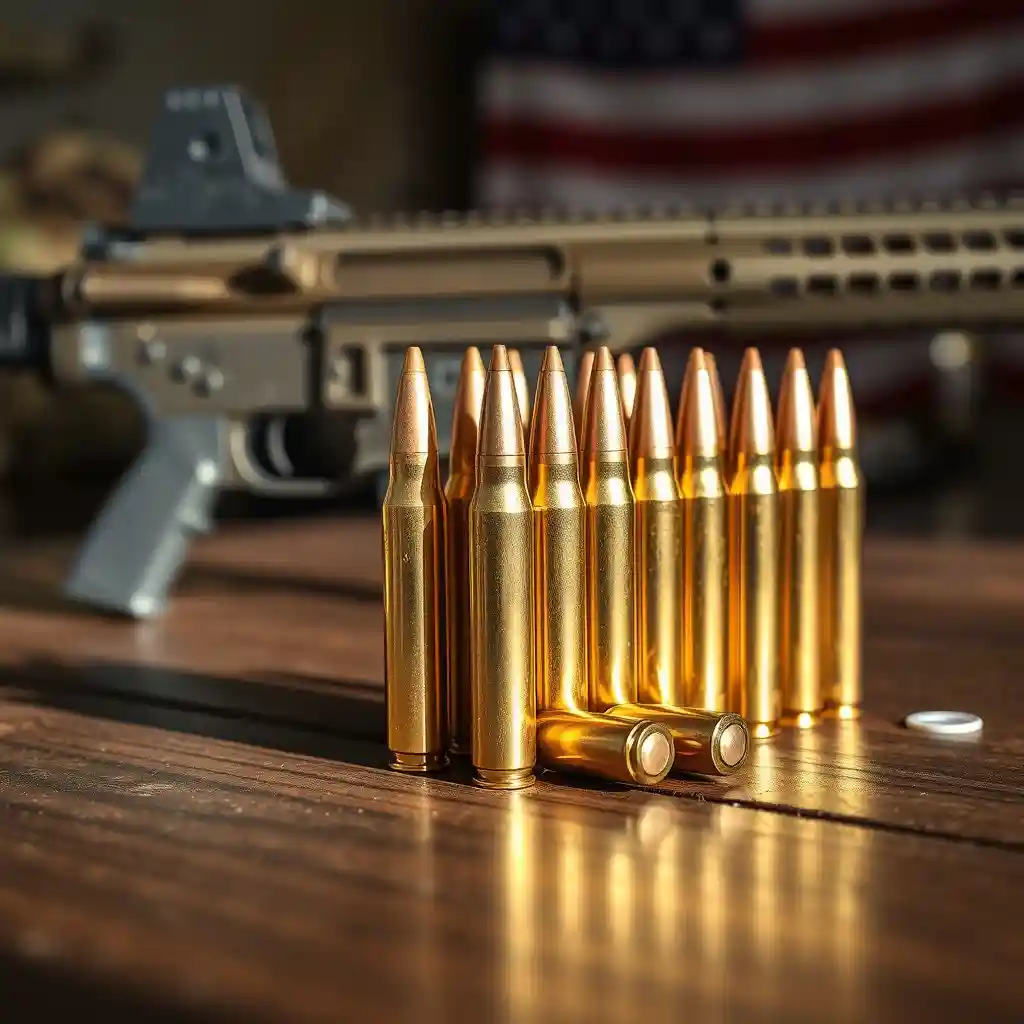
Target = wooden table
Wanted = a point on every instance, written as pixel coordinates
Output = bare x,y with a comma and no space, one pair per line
196,821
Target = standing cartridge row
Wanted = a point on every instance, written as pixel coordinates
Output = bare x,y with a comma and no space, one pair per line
602,593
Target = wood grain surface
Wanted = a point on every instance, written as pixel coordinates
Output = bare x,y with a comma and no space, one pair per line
195,820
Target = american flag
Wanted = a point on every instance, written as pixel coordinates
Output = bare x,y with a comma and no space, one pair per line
598,104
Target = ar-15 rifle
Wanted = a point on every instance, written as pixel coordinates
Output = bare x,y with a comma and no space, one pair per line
234,296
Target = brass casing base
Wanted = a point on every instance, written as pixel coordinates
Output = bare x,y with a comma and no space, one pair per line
763,730
496,778
416,763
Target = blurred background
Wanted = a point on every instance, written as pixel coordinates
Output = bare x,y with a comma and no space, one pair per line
589,103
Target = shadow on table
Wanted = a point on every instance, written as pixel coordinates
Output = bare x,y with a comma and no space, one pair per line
338,720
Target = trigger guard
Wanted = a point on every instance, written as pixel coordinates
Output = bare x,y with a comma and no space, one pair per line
251,474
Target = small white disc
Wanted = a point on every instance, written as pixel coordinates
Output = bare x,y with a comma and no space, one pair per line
944,723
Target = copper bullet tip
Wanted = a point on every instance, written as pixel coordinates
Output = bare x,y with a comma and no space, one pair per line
716,384
603,360
552,361
501,430
551,431
605,431
794,421
500,359
466,414
413,361
579,401
752,433
413,430
837,418
650,426
698,432
626,369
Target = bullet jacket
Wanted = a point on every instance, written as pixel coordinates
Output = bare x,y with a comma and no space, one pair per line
414,529
841,525
580,395
754,554
504,703
705,743
610,555
559,521
522,386
625,368
705,560
619,750
458,494
797,472
658,538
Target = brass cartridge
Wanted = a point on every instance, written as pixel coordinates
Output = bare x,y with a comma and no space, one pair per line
580,395
458,494
658,541
754,554
559,542
705,743
515,360
611,655
504,726
631,752
796,462
625,369
414,647
842,525
705,561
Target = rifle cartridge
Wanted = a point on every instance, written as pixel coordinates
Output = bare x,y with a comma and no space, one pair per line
754,554
658,540
610,556
459,489
616,749
796,460
580,395
413,516
842,524
559,542
706,743
515,360
504,727
705,560
625,368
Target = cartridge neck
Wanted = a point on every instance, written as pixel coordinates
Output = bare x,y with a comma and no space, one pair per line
654,479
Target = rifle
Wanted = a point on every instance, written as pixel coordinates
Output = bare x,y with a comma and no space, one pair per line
233,297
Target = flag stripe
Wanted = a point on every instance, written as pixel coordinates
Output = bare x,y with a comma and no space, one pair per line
764,150
788,40
663,101
512,181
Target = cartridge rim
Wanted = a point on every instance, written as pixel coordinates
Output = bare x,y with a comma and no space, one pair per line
800,719
650,752
504,778
730,744
763,730
416,763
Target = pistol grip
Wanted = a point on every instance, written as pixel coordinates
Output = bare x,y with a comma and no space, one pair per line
135,549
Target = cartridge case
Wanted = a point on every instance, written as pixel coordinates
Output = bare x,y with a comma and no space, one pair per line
501,581
658,539
559,541
705,559
797,472
705,743
608,494
619,750
458,494
413,518
841,531
754,555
